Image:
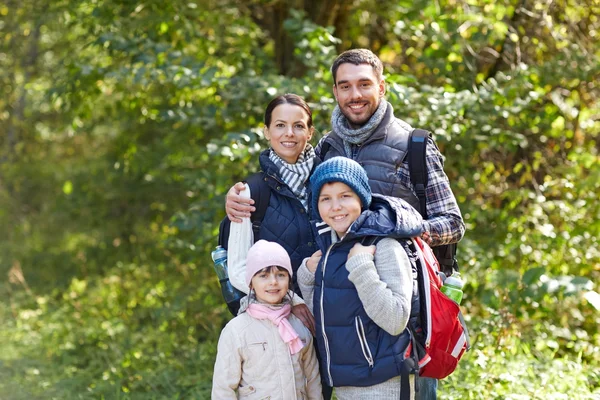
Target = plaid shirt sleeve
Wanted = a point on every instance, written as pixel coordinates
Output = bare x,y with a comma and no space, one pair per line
444,222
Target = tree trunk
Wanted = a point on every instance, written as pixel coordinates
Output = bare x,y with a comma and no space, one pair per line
271,18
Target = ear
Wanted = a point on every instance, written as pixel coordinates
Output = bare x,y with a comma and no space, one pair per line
335,92
381,87
311,132
266,133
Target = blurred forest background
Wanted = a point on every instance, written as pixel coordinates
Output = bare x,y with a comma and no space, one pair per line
123,124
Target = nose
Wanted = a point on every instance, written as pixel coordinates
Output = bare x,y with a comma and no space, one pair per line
273,279
356,93
336,204
289,131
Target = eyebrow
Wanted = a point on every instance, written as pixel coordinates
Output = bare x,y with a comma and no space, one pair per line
295,122
359,79
344,192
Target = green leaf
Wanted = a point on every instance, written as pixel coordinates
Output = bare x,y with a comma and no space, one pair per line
533,275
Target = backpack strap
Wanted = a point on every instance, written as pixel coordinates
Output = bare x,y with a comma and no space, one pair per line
370,240
417,165
461,319
446,256
324,149
261,194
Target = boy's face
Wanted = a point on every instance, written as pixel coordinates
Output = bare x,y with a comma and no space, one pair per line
339,206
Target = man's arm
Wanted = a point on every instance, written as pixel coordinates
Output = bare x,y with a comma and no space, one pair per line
444,222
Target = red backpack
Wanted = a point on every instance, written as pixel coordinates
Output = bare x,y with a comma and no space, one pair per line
442,338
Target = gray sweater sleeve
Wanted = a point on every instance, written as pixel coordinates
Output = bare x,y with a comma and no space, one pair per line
306,281
384,284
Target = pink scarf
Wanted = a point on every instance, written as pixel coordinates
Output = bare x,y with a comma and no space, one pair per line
279,318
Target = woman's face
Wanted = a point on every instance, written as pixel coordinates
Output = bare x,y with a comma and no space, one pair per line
289,132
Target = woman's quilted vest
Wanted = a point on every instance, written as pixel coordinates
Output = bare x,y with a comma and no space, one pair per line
286,221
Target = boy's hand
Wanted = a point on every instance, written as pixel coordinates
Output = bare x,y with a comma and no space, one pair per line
302,312
359,248
313,261
238,207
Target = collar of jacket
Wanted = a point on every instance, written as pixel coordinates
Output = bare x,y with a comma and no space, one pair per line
271,170
387,216
378,133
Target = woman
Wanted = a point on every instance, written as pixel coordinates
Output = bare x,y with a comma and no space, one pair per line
286,166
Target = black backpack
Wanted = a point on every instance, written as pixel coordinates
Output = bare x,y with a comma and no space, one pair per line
260,193
417,165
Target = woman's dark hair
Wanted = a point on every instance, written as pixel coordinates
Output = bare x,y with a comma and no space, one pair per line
288,98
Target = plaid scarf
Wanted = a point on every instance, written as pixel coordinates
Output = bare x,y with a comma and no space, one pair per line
296,175
339,124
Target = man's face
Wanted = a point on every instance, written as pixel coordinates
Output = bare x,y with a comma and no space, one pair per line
358,92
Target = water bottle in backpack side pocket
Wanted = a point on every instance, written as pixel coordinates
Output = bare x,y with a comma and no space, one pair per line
231,295
453,287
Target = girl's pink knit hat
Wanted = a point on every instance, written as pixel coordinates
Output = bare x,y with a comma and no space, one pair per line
265,254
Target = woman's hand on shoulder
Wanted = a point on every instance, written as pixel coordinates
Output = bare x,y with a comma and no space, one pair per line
359,248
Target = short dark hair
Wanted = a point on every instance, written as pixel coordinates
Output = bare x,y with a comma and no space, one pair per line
357,57
288,98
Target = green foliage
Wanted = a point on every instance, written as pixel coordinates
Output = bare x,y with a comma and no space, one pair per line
136,332
123,125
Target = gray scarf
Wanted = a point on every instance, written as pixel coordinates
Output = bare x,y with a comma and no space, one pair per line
296,175
340,126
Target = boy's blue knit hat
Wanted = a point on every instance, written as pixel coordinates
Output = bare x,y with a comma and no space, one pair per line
341,169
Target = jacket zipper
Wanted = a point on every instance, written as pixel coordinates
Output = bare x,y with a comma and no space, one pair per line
362,339
323,319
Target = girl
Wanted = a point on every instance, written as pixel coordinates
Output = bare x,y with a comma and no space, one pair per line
266,352
362,294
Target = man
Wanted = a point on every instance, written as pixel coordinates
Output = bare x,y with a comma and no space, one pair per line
364,128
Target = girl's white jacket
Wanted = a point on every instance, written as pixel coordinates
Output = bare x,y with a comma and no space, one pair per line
253,362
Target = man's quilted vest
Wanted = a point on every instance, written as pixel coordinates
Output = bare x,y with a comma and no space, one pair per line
354,350
381,155
286,221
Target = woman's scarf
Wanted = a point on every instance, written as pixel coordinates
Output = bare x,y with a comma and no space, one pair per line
278,316
340,126
296,175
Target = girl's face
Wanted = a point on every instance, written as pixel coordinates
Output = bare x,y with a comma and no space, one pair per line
288,131
339,206
270,284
